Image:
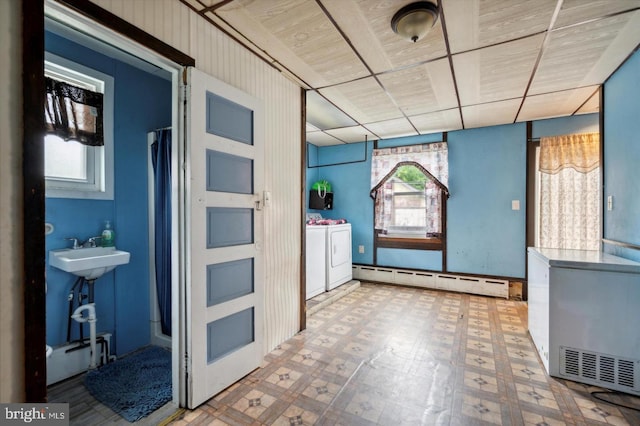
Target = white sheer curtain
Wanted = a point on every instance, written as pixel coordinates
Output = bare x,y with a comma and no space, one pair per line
569,210
433,157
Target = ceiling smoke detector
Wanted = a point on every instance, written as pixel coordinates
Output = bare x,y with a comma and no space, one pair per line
414,21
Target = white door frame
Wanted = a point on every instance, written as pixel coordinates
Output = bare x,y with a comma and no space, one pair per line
86,25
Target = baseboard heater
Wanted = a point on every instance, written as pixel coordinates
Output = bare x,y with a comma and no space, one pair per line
436,280
73,358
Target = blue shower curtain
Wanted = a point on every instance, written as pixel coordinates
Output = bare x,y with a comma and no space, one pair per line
161,158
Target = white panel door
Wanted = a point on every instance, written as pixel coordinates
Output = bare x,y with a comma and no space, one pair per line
224,261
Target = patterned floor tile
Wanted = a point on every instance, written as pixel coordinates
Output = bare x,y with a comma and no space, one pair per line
600,412
341,367
482,409
479,323
522,354
478,333
528,372
387,355
478,306
482,382
254,403
480,346
296,416
284,377
534,419
536,395
322,390
486,362
325,341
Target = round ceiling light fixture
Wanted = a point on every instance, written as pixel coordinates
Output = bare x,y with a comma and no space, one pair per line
414,21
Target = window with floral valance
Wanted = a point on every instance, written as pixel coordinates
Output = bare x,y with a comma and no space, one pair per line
569,192
409,188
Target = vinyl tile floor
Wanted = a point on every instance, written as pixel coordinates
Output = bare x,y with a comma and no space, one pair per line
389,355
85,410
376,354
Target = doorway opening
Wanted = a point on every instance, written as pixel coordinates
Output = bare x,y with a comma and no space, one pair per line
123,301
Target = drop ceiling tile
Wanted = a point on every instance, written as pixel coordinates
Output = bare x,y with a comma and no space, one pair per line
364,100
299,34
311,128
439,121
592,105
490,114
392,128
586,54
334,45
367,24
577,11
497,72
352,134
555,104
197,5
324,115
322,139
421,89
477,23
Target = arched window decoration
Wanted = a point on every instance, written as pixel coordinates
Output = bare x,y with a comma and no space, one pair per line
410,201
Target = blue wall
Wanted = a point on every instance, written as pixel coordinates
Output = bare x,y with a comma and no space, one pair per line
487,171
622,157
142,104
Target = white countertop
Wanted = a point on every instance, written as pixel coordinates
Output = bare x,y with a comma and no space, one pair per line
585,259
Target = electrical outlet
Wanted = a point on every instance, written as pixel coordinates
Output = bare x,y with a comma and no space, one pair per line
360,249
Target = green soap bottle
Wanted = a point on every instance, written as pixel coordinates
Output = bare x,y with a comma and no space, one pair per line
108,236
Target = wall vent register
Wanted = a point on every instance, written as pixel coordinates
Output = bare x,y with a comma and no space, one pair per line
604,370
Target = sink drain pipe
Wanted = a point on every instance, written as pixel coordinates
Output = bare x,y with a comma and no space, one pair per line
91,319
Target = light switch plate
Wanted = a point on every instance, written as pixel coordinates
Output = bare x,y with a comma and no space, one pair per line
515,204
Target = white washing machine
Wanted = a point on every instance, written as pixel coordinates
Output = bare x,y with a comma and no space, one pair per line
316,263
338,243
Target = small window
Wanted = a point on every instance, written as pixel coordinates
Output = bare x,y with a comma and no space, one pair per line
408,214
72,169
412,205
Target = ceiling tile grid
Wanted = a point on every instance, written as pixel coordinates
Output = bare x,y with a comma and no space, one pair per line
364,100
473,24
498,72
491,114
483,63
586,54
556,104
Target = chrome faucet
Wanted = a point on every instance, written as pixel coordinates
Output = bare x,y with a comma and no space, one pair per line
74,240
91,242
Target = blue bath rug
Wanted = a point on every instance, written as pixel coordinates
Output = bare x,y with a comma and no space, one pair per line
133,386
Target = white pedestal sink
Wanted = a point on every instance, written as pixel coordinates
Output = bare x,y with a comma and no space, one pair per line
90,263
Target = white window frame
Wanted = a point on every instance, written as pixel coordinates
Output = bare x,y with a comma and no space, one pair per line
100,160
407,231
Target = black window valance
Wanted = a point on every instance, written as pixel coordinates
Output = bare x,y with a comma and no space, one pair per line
74,113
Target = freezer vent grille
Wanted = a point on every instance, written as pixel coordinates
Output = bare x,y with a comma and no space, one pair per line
601,369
